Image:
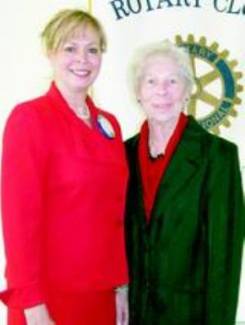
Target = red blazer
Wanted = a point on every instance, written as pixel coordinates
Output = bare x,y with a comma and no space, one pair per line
63,196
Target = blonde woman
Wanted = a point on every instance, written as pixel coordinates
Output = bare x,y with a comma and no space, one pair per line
63,191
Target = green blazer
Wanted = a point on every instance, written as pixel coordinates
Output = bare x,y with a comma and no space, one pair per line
185,264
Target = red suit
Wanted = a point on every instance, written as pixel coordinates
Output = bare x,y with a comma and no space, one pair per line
63,196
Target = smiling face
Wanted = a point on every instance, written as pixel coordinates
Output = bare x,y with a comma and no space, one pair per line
162,89
76,63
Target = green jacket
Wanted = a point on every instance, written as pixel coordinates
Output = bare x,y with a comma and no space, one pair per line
185,264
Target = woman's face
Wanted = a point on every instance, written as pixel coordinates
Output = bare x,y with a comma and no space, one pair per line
162,88
77,61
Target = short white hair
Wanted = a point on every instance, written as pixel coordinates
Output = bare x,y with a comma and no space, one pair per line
166,49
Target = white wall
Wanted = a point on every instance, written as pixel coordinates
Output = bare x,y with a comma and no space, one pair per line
25,74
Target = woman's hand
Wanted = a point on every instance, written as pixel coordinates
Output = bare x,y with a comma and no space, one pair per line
122,313
38,315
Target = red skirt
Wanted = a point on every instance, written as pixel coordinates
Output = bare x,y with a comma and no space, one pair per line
90,308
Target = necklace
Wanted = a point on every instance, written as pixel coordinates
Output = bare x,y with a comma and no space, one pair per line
83,112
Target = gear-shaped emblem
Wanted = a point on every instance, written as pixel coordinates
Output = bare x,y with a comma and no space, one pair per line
216,89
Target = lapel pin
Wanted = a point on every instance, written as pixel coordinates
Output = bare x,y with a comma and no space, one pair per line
105,127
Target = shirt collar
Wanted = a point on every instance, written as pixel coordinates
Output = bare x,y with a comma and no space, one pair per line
61,104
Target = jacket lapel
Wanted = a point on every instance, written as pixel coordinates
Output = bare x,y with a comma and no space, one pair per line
186,161
184,165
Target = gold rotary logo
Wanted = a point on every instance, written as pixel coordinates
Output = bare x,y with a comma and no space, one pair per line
217,85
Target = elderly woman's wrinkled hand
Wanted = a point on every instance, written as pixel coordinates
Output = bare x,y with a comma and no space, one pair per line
122,313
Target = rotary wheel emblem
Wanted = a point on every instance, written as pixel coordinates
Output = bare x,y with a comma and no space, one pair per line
216,90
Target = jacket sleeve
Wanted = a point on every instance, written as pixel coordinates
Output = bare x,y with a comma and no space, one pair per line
22,190
226,219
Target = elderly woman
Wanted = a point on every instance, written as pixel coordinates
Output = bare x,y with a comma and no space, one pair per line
185,212
64,178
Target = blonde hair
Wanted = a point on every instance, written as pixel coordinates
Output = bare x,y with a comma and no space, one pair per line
64,24
165,49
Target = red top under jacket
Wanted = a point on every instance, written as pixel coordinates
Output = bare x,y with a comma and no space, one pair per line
63,198
152,170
